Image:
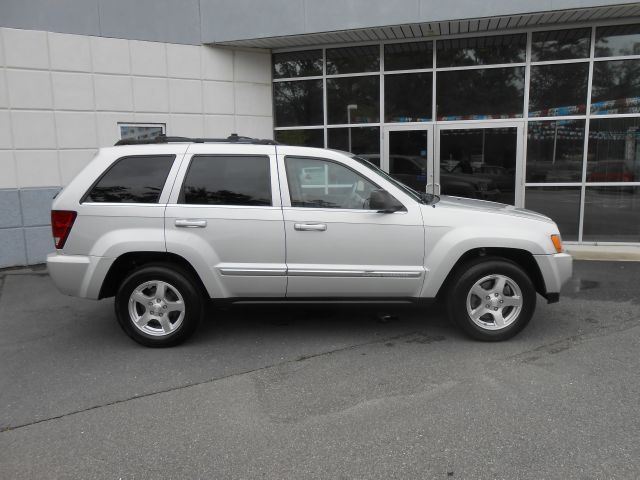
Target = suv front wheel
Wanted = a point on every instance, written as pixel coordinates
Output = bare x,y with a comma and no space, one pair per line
159,305
491,299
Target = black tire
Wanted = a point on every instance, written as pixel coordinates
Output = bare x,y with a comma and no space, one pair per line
486,327
175,280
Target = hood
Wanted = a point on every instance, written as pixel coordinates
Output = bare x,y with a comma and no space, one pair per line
470,204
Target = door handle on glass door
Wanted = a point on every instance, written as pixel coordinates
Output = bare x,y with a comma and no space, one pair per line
310,227
190,223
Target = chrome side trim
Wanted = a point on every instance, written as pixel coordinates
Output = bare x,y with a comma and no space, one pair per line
253,272
355,273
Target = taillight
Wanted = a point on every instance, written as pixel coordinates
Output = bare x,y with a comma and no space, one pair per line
61,223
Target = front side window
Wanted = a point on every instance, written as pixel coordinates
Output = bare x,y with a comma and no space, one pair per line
317,183
228,180
137,179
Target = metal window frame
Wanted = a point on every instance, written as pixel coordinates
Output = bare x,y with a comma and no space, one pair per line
524,120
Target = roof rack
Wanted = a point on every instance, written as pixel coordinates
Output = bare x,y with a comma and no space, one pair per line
162,138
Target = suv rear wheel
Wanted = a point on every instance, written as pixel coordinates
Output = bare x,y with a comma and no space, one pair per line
159,305
491,299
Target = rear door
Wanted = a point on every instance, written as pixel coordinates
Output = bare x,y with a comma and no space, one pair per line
336,245
224,216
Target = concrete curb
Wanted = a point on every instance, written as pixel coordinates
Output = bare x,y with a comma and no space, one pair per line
604,253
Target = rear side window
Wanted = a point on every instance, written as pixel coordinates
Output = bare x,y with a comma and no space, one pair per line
137,179
228,180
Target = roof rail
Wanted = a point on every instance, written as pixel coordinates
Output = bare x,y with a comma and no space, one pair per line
162,138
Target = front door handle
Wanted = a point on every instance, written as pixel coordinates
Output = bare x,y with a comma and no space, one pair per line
191,223
310,227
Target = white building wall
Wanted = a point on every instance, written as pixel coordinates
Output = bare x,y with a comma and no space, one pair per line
62,96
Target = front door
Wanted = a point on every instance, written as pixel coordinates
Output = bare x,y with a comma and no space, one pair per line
336,245
482,161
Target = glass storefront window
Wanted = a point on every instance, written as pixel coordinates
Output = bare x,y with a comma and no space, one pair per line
614,150
298,103
557,90
363,141
618,40
561,204
353,59
407,97
353,100
611,213
303,138
307,63
616,87
481,50
560,44
409,156
407,56
480,94
555,151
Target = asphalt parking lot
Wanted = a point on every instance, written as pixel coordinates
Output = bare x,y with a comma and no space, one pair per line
323,391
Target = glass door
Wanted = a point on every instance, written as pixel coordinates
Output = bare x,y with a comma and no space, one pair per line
408,155
481,160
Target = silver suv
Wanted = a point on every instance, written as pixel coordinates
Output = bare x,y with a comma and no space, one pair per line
166,226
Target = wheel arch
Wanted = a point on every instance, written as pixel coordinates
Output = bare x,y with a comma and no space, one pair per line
520,257
130,261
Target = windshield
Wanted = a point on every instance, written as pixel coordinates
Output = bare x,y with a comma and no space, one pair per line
421,197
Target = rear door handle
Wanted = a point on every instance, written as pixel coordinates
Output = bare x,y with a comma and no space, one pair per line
310,227
191,223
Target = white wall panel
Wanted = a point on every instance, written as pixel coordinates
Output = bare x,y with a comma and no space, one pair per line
37,168
69,52
72,91
29,88
110,55
253,99
25,48
4,102
186,125
5,129
185,96
183,61
107,126
113,92
72,161
252,67
219,126
260,127
148,58
218,97
150,94
76,129
8,178
217,63
33,129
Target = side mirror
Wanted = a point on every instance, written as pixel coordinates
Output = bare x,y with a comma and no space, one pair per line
383,202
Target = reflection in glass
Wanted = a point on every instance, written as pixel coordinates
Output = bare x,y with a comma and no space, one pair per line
297,64
409,157
554,151
558,89
560,44
407,97
353,59
363,141
302,138
480,94
298,103
481,50
616,87
561,204
407,56
618,40
611,213
479,163
614,150
353,100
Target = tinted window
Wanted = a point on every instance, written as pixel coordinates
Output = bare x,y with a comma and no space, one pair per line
298,103
228,180
614,150
554,151
353,59
479,94
618,40
481,50
407,97
302,138
297,64
558,89
560,44
406,56
353,99
317,183
133,180
616,87
360,140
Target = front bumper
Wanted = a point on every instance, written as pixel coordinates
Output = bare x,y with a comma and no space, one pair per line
78,275
556,270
